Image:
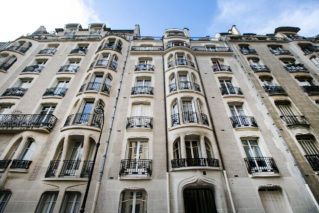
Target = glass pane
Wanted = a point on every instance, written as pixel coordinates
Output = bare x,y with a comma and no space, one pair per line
87,108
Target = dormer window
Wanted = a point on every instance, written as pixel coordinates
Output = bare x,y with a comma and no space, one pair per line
71,29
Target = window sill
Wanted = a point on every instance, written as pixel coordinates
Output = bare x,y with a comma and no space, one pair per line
19,170
263,174
52,97
195,168
142,96
68,73
139,129
30,73
66,179
246,128
135,177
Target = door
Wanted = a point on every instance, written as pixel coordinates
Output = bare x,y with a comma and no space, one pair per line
138,157
142,86
199,200
189,113
84,116
227,87
254,155
181,60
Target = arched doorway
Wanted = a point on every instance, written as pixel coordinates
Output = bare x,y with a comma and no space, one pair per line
199,200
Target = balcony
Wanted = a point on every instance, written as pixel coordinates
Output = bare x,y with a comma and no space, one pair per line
221,68
136,167
86,169
50,51
243,121
69,168
20,164
142,90
177,45
230,91
280,52
310,49
192,117
311,90
275,90
175,34
295,68
4,164
292,120
55,91
145,48
15,91
79,51
260,68
69,68
27,121
172,87
100,63
247,51
6,66
33,68
210,49
260,164
53,166
84,119
313,161
190,162
19,48
180,62
144,67
139,122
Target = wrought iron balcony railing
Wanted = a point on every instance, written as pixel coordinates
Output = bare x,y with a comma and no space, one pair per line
295,68
177,45
260,68
136,167
53,166
172,87
142,90
208,49
4,164
243,121
180,62
19,48
144,67
27,120
33,68
6,66
310,49
280,52
85,119
294,119
69,168
55,91
275,90
86,169
50,51
248,51
190,162
15,91
261,164
221,68
139,122
20,164
230,91
145,48
175,119
313,161
80,51
69,68
311,90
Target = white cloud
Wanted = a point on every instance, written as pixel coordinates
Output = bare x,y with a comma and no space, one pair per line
21,17
261,16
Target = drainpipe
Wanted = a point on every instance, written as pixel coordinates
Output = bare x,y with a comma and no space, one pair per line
98,184
217,142
166,143
276,128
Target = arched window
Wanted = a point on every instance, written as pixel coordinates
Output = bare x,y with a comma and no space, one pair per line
71,202
28,150
47,202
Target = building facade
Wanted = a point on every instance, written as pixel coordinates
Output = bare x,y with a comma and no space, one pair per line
189,124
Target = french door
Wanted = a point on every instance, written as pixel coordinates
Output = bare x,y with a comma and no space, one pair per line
189,113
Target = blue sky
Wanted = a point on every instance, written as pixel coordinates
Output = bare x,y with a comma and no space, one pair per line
202,17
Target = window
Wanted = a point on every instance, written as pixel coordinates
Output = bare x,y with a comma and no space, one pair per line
61,87
6,62
24,84
172,86
177,150
114,62
255,158
315,60
288,114
140,116
47,202
227,87
189,113
208,150
308,144
28,150
133,202
267,81
274,201
46,114
192,149
72,164
96,83
142,86
184,81
137,150
175,114
4,198
84,115
71,202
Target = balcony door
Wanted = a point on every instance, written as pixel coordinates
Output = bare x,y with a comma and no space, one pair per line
74,159
227,86
193,153
62,85
142,86
84,115
288,114
239,116
96,83
138,156
184,82
140,114
189,112
253,152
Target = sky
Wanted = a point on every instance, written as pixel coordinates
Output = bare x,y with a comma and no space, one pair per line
201,17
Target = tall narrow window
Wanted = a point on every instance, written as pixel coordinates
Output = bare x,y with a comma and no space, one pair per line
189,113
61,87
184,82
192,149
47,202
227,87
45,115
28,150
96,83
176,150
84,115
71,202
4,198
309,145
254,155
175,114
133,202
74,155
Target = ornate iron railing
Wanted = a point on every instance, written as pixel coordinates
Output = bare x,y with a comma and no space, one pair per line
55,91
27,120
260,164
243,121
311,90
190,162
175,34
15,91
69,168
275,90
4,164
260,68
33,68
68,68
86,119
294,119
295,68
170,45
20,164
221,68
139,122
136,167
142,90
53,166
313,161
86,169
230,90
144,67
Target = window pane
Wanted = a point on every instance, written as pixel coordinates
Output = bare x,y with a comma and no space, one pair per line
47,202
